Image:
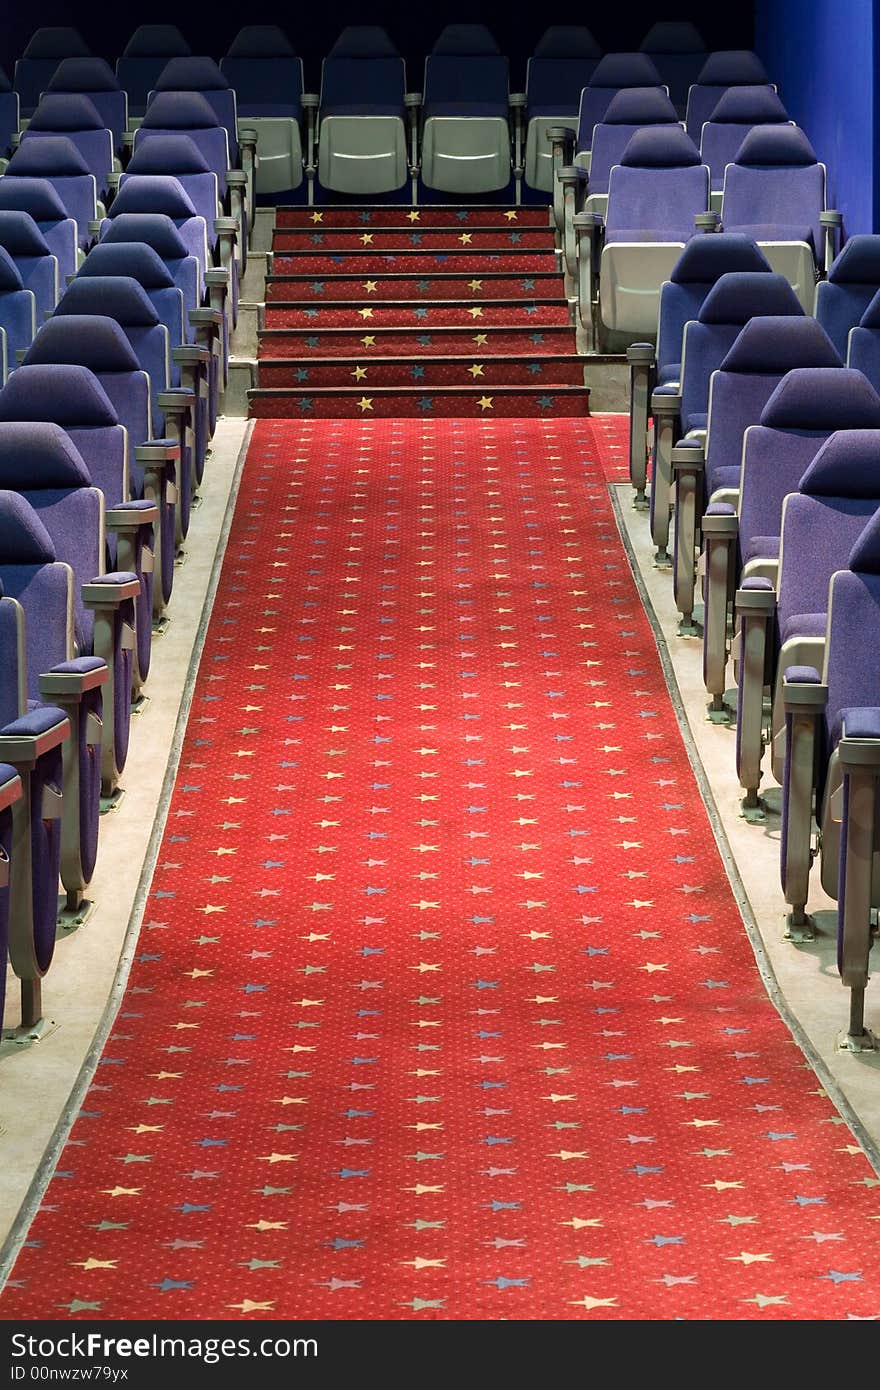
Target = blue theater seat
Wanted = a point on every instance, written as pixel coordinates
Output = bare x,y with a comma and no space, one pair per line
679,54
765,349
202,74
39,62
722,70
22,239
613,73
563,62
39,460
362,121
267,76
77,118
742,539
18,315
852,282
774,191
9,115
38,199
94,78
56,159
143,58
466,139
34,581
737,113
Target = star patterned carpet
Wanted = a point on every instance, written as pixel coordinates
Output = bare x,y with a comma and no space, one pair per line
388,313
442,1006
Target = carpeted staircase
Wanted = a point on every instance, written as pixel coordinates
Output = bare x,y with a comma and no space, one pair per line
422,312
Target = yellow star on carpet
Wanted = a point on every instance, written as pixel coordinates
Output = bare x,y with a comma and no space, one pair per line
121,1191
586,1301
317,217
476,369
485,403
366,402
366,313
367,239
475,312
370,286
95,1264
359,373
475,284
481,339
369,340
279,1158
413,215
465,238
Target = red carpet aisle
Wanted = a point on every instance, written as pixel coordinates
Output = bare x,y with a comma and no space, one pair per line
443,1007
389,312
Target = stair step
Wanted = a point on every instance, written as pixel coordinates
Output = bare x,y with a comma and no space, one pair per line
546,372
397,289
400,216
444,401
393,314
400,240
415,341
416,262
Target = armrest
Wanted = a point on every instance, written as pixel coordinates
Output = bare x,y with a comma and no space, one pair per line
190,355
757,595
561,132
226,225
10,787
410,99
235,178
517,100
720,519
111,590
640,354
95,224
687,455
707,221
859,744
803,691
74,678
247,136
310,101
130,516
831,218
200,318
666,400
157,453
26,740
218,276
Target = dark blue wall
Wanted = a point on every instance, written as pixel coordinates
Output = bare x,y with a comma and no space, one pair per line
821,55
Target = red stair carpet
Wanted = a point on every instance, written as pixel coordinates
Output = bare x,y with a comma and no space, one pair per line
442,1006
389,313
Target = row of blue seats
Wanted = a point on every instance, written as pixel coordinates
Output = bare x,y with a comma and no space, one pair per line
107,412
365,133
766,461
659,196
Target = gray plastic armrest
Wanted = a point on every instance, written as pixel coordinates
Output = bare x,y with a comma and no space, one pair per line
23,751
687,458
100,594
720,519
201,317
640,354
72,683
803,691
665,403
756,596
190,356
517,100
94,230
218,277
561,132
412,98
121,519
175,402
310,101
155,455
707,221
236,178
831,218
227,224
